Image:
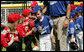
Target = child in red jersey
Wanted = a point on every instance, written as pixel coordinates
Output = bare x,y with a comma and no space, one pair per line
13,29
4,41
28,24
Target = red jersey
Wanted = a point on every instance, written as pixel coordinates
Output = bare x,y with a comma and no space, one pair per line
31,26
19,32
3,42
28,26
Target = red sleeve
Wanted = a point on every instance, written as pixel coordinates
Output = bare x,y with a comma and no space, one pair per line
21,32
32,25
3,41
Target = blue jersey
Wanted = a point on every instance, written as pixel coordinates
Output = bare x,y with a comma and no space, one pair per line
77,24
72,30
81,22
46,23
57,7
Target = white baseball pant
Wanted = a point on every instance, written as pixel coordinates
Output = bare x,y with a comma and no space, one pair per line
45,42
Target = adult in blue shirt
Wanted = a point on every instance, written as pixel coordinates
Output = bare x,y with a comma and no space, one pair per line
59,12
44,26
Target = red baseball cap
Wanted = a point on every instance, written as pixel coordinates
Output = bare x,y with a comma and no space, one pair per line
14,17
26,12
34,4
73,7
19,17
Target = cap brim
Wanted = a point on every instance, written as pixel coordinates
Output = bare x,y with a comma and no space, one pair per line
32,5
34,11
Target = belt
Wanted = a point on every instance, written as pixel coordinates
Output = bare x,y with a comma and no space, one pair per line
43,34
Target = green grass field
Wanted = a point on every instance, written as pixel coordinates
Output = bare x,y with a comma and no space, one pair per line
23,46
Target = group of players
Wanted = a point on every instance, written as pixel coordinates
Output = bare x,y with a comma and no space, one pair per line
35,23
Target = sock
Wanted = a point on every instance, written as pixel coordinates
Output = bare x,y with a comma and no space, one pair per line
35,44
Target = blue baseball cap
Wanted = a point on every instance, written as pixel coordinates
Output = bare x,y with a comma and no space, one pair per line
72,15
36,8
79,9
75,11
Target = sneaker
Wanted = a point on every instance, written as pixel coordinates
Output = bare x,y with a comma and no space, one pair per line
36,48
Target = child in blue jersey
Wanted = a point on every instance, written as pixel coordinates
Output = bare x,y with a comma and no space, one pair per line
79,22
44,26
72,32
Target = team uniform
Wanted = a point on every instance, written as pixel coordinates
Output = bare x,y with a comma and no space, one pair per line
27,27
9,36
72,31
79,29
44,36
18,33
3,42
28,40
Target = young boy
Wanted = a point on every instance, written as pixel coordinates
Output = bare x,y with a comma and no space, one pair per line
72,32
28,24
44,26
80,27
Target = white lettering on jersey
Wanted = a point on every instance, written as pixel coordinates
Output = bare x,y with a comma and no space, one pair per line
72,30
44,29
51,22
43,32
11,35
16,32
4,32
